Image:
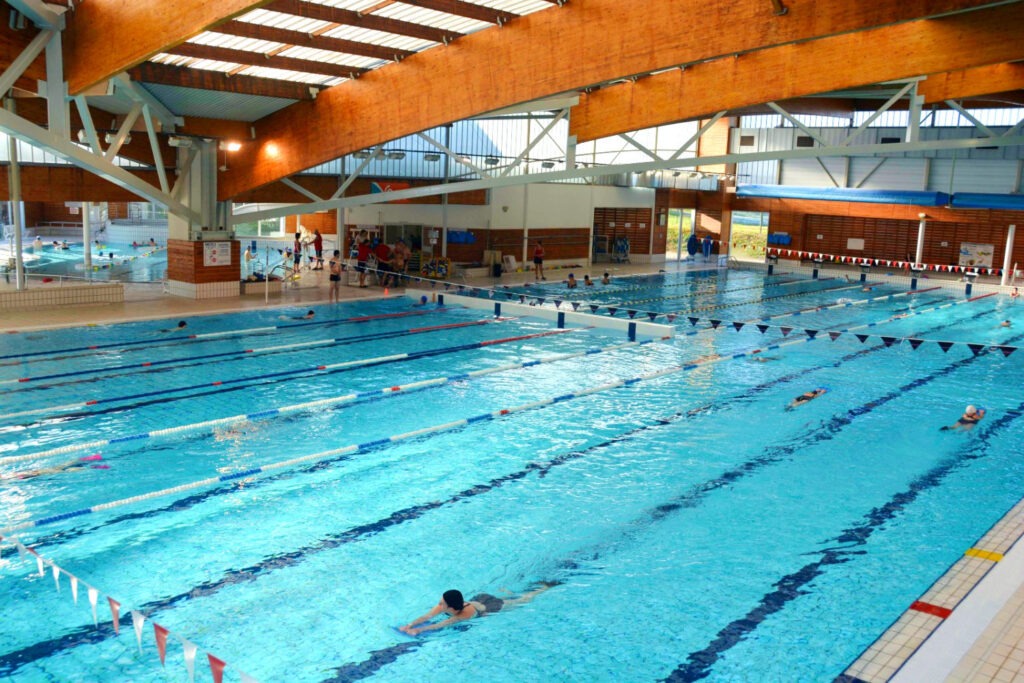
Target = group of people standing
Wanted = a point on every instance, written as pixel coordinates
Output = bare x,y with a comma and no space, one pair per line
391,262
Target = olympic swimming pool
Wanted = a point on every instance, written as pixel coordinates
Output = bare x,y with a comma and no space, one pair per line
695,528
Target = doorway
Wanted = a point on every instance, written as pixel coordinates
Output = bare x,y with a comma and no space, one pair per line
749,235
679,228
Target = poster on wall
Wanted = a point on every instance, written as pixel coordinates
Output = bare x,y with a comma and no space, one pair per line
976,255
216,253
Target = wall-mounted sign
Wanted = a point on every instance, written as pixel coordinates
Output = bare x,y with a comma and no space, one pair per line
977,255
216,253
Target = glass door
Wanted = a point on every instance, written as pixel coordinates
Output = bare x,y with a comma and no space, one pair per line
680,227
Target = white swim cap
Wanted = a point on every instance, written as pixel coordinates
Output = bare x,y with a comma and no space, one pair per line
971,410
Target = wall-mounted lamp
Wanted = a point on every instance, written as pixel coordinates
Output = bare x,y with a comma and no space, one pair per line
430,156
110,137
227,146
922,216
179,142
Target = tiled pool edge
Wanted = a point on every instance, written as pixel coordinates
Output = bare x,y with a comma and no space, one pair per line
906,649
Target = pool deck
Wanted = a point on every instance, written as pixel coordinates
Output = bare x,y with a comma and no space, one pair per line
968,627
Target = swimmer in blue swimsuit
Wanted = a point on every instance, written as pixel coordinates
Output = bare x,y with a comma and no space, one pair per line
459,609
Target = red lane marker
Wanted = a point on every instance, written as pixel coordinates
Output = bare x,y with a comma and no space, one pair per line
503,412
93,348
396,388
91,403
928,608
248,351
321,367
975,298
216,384
450,326
25,379
525,336
192,336
146,365
381,316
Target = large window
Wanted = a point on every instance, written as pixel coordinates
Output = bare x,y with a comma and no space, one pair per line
268,227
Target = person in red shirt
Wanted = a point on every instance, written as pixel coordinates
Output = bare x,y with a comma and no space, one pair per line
384,269
538,261
318,247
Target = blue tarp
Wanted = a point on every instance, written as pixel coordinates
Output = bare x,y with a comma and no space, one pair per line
976,200
844,194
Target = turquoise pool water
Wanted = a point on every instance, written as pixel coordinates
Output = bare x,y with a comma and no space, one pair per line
695,528
109,262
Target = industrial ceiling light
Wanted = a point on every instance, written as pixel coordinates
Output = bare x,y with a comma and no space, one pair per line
110,137
695,174
179,142
547,164
396,155
491,161
430,156
361,155
675,174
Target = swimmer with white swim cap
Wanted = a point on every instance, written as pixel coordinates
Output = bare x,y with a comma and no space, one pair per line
971,417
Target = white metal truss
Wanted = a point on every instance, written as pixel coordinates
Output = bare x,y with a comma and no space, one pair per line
464,160
43,15
562,115
641,167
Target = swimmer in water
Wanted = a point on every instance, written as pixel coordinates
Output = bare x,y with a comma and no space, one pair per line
309,316
79,464
1005,323
234,432
459,609
180,326
806,397
422,302
971,417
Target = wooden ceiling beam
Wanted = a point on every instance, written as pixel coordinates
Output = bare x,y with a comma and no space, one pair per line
840,62
203,79
972,83
223,54
247,29
105,37
464,9
313,10
435,87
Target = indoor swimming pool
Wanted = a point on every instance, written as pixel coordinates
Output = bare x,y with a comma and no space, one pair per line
121,262
281,492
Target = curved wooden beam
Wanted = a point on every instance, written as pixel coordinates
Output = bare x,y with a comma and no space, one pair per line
972,83
845,61
530,59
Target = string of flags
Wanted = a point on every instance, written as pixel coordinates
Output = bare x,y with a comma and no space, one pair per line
889,263
160,633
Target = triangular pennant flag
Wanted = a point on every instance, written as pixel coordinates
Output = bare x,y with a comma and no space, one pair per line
160,633
593,308
575,305
834,335
1007,350
217,667
138,619
39,563
914,343
93,597
558,302
785,331
762,328
540,302
522,299
671,317
888,341
56,576
693,321
811,333
652,315
74,588
945,346
738,326
190,658
862,337
508,295
115,608
714,323
975,348
612,311
631,313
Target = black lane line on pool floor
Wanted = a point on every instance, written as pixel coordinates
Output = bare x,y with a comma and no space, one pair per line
201,338
276,378
166,365
698,664
90,635
10,662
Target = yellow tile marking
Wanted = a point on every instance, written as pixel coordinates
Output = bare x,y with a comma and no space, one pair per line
984,554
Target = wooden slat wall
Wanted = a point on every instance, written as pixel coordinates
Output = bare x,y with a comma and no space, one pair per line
638,232
185,263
